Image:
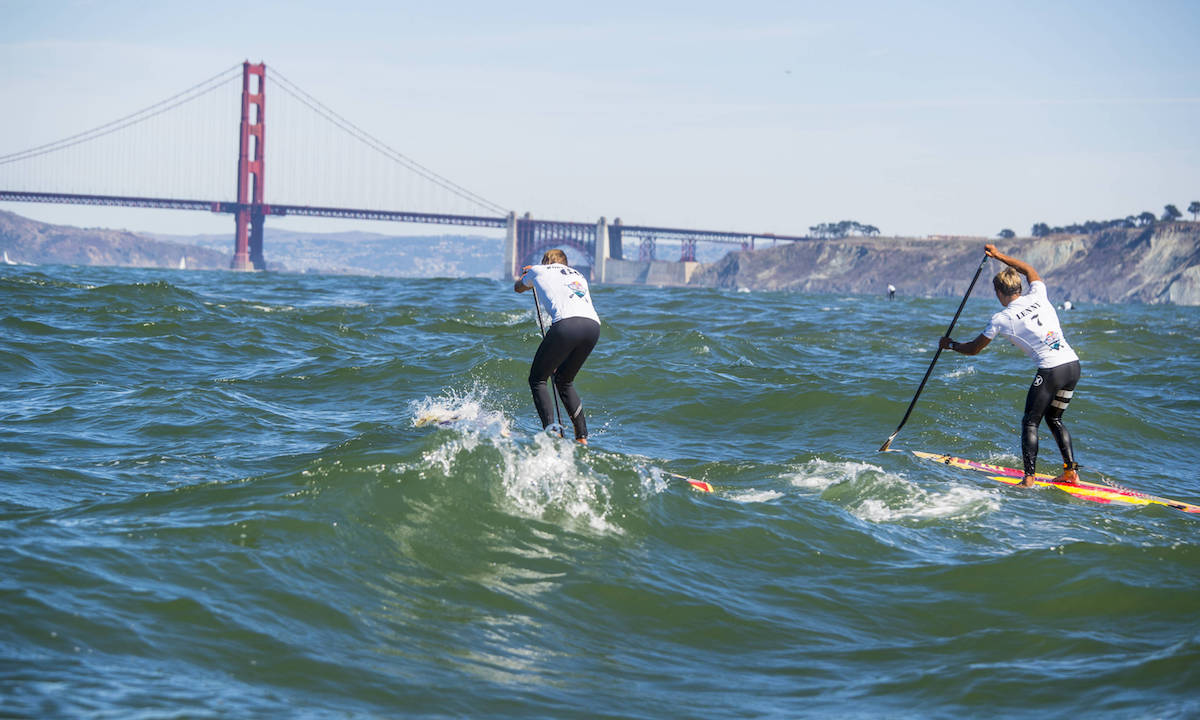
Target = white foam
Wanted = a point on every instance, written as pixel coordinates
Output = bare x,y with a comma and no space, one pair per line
962,372
270,309
657,480
541,477
755,496
464,410
921,504
880,497
514,317
820,474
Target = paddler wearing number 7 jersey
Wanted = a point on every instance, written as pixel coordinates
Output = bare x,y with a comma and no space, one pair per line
574,330
1030,322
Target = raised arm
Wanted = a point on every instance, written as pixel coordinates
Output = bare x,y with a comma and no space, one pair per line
519,285
1019,265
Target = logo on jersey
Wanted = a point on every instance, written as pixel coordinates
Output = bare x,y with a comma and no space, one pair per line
577,288
1052,340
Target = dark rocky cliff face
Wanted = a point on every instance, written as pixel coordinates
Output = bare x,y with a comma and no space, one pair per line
30,241
1150,265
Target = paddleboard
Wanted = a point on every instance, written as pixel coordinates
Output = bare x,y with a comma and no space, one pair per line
445,418
1082,489
436,417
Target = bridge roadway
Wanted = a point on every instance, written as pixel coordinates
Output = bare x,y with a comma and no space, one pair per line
526,238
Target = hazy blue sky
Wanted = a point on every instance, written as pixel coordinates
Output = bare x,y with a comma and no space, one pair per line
917,117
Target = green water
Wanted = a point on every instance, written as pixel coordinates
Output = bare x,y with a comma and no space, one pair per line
214,503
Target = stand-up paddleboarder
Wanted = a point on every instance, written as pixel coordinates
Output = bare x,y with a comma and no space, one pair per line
1031,323
574,330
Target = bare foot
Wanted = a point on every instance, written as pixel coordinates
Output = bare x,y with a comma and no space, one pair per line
1027,481
581,441
1069,477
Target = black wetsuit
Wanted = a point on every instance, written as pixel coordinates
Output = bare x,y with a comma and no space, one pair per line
1047,400
1032,324
563,351
573,332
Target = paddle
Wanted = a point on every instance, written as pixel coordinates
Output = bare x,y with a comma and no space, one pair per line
554,392
949,330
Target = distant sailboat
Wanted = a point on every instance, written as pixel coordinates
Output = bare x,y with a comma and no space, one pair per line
8,261
183,262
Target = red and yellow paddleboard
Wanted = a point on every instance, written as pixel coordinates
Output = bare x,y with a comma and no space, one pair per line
1081,489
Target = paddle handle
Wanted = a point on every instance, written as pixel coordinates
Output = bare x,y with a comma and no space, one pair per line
936,355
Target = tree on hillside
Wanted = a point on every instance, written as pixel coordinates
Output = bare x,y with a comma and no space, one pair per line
1091,227
1006,234
842,229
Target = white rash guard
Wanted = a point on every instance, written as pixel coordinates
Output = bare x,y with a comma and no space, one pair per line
562,290
1032,325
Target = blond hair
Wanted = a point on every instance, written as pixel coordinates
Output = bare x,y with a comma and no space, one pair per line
1007,282
555,256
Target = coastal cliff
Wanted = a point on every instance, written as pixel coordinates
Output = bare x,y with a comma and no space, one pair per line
1155,264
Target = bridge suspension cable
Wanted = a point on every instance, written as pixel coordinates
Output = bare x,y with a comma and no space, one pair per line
280,80
196,91
185,148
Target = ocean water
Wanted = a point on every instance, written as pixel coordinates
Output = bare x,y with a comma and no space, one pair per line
216,501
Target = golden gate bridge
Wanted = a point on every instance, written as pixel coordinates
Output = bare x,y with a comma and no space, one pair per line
174,155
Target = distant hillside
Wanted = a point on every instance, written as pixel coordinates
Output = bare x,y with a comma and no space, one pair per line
1159,263
351,253
30,241
363,253
1153,264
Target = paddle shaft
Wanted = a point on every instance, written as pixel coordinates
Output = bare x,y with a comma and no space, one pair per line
936,355
553,393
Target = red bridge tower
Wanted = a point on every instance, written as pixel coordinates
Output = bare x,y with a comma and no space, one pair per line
248,238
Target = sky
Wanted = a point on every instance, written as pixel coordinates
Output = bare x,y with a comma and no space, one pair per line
920,118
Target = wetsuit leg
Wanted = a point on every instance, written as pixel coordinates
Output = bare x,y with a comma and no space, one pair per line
585,332
1047,399
1066,376
548,356
566,346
